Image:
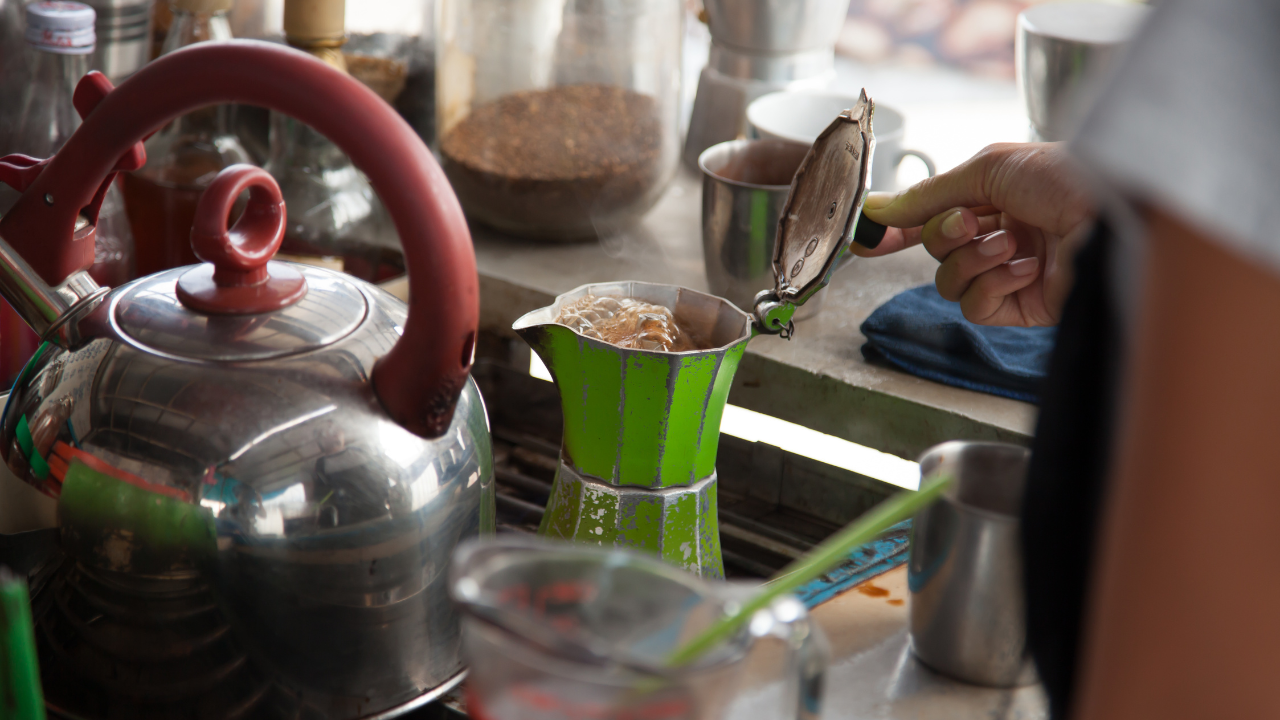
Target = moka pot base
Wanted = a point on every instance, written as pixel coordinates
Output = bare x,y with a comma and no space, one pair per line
678,523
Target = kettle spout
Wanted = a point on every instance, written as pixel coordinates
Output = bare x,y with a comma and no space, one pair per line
52,311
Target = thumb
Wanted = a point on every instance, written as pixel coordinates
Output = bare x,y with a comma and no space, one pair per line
961,186
1033,182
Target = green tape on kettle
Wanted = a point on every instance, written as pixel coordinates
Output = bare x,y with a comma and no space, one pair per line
115,525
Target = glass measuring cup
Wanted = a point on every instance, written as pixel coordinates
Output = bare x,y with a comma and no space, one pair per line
558,631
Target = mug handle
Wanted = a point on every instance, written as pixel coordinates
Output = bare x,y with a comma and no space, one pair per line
928,161
789,622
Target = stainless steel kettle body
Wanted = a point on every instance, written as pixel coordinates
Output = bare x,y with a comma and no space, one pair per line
244,530
261,468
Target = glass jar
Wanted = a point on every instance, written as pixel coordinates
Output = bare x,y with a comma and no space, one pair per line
389,47
334,218
558,119
381,38
417,102
184,156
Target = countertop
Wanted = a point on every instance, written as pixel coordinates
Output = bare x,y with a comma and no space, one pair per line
872,674
818,379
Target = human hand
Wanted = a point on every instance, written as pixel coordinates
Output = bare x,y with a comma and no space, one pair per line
1004,224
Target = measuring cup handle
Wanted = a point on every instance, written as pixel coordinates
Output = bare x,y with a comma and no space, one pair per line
809,654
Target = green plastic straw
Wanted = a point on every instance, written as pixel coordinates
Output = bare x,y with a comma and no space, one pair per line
817,561
20,695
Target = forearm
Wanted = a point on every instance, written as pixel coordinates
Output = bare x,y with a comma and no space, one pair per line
1183,618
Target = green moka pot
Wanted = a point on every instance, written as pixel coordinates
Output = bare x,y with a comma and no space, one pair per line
641,427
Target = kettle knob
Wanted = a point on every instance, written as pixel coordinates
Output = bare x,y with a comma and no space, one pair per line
238,277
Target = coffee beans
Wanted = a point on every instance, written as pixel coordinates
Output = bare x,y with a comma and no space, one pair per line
558,163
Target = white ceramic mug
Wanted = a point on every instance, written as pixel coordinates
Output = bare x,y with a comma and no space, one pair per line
801,116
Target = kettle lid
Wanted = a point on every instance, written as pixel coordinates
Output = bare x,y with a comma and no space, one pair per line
824,203
150,315
239,305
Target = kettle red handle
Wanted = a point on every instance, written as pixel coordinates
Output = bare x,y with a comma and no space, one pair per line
419,380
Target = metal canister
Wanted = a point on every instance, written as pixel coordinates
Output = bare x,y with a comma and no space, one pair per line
965,570
124,36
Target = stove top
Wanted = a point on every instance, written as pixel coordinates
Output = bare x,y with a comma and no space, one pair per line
774,506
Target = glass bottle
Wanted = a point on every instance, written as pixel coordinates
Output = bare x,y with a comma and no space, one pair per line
60,39
334,218
558,119
184,157
256,20
46,117
13,68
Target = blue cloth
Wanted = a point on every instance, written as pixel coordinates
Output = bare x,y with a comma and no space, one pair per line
925,335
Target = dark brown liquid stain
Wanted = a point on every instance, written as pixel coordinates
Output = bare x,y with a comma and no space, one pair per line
872,590
896,601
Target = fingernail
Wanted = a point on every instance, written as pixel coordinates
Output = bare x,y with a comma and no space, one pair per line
879,200
991,245
1024,267
953,226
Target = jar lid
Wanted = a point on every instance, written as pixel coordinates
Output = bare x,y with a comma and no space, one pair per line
315,23
817,222
65,28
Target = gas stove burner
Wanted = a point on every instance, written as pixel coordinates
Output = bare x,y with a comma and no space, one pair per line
117,646
120,647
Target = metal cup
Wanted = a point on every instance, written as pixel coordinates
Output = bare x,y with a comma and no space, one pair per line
1062,50
744,186
968,616
768,27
